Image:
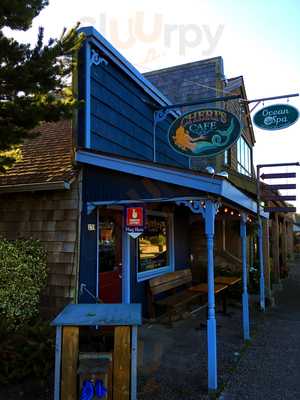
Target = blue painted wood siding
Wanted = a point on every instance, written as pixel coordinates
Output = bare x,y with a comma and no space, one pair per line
122,116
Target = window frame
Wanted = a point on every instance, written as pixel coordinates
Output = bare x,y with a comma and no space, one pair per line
242,157
146,275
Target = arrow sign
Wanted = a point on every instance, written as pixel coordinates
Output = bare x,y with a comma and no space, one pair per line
278,197
282,186
280,209
279,175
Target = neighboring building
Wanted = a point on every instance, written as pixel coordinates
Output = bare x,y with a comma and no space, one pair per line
39,198
296,233
74,181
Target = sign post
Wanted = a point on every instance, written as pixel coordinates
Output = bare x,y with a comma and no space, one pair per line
270,209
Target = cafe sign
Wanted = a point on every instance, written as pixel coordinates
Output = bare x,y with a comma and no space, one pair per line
134,221
204,133
276,116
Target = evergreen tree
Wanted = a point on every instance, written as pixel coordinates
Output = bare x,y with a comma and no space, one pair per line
33,80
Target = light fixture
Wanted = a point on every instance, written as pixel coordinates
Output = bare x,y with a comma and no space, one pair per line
224,174
210,169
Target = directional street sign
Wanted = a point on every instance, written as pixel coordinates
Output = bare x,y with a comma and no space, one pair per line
282,186
279,175
280,209
278,197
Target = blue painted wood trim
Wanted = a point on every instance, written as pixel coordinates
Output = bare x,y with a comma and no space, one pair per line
87,95
245,297
126,276
134,345
261,267
220,187
98,40
209,216
57,363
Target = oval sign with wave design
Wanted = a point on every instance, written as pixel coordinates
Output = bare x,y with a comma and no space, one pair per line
204,133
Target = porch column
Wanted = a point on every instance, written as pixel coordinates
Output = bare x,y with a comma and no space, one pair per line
284,244
209,214
243,232
266,244
275,248
261,266
126,279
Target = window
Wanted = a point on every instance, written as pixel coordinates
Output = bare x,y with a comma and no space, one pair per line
226,157
155,246
244,157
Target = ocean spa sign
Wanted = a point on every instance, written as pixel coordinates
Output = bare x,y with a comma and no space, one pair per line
204,133
276,116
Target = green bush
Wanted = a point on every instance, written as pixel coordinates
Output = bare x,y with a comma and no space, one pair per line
23,274
27,353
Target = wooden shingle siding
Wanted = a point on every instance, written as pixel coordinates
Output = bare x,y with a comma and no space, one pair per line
52,218
122,117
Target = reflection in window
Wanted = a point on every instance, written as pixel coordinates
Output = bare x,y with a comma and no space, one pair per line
109,244
153,244
244,159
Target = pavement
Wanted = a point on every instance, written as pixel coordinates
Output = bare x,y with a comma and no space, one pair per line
270,366
172,362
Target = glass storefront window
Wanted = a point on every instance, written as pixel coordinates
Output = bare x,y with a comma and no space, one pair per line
154,253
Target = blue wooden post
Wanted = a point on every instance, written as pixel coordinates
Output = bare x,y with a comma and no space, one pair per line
126,295
261,266
243,232
209,215
57,373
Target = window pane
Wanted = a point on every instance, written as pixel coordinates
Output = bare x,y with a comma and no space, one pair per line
153,248
244,157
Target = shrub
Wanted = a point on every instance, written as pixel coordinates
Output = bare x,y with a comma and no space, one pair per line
23,275
27,353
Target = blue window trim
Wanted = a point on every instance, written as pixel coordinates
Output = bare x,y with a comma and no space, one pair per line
146,275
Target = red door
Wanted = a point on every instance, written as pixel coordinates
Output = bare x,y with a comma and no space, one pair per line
110,255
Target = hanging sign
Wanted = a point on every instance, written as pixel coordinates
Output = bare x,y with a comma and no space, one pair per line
204,133
276,116
134,221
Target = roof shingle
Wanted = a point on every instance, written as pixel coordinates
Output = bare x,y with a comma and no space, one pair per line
46,158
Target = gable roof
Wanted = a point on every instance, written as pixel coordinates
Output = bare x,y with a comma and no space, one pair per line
237,85
189,82
47,160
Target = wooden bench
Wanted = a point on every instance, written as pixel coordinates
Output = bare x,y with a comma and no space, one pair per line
169,284
220,289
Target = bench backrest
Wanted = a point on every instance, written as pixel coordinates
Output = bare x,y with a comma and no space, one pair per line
169,281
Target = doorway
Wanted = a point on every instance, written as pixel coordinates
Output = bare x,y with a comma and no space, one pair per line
110,228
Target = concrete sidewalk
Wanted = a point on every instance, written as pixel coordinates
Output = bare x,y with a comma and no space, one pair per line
270,367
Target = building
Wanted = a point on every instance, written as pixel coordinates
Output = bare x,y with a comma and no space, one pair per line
76,181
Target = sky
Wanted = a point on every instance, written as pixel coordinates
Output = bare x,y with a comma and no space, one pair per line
257,39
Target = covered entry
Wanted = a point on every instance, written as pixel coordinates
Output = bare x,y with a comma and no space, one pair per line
110,183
